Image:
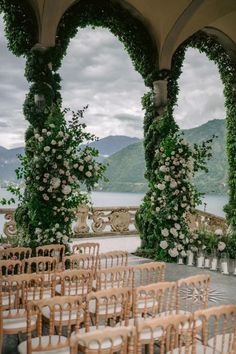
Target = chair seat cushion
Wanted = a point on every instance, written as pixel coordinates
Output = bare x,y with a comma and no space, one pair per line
106,344
7,300
19,322
22,348
36,295
228,342
147,304
71,290
66,315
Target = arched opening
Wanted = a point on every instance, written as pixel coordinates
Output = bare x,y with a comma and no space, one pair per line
200,112
102,75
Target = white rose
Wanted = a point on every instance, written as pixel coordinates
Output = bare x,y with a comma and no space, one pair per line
75,165
90,167
60,143
221,246
53,142
61,134
65,239
47,148
173,252
49,133
157,209
173,184
173,231
218,232
40,139
44,130
163,245
81,168
88,174
165,232
161,186
68,151
45,197
87,158
55,182
38,231
66,190
177,226
52,125
163,168
59,157
37,136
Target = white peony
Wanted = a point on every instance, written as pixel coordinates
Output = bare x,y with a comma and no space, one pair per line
53,142
37,136
40,139
163,245
88,174
47,148
66,190
165,232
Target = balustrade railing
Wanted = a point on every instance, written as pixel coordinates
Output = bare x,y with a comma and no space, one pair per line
110,221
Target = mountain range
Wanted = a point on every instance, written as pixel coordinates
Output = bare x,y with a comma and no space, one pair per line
126,165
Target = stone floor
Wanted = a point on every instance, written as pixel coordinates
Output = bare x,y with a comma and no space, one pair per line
223,290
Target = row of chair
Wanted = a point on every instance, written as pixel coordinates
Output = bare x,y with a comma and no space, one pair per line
112,308
107,307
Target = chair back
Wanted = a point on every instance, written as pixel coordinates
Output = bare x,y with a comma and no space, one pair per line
108,307
74,282
149,273
10,267
47,265
91,248
112,340
193,292
153,300
218,330
113,259
51,251
59,329
168,332
117,277
83,261
15,253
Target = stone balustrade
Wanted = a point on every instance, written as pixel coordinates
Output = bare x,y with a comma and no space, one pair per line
111,221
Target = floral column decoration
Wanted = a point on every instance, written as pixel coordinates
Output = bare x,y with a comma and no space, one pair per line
171,163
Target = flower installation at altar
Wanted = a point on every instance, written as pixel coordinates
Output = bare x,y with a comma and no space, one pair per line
53,175
173,197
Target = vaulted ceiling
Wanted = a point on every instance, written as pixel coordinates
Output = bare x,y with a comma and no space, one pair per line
170,22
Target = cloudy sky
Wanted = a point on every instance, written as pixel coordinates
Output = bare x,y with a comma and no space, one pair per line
98,72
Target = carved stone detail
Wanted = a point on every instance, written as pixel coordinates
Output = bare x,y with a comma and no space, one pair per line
9,227
81,225
120,220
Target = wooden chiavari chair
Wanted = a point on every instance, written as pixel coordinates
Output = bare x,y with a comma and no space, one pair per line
62,313
91,248
111,341
110,307
193,293
113,259
10,267
117,277
218,332
15,253
16,291
149,273
155,300
74,282
168,332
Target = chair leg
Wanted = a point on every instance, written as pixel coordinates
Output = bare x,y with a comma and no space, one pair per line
146,348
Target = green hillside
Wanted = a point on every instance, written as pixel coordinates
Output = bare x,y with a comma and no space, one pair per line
126,168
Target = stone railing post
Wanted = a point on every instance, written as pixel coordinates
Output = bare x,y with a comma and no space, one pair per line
81,225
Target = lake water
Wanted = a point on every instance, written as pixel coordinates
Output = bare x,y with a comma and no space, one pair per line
214,203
